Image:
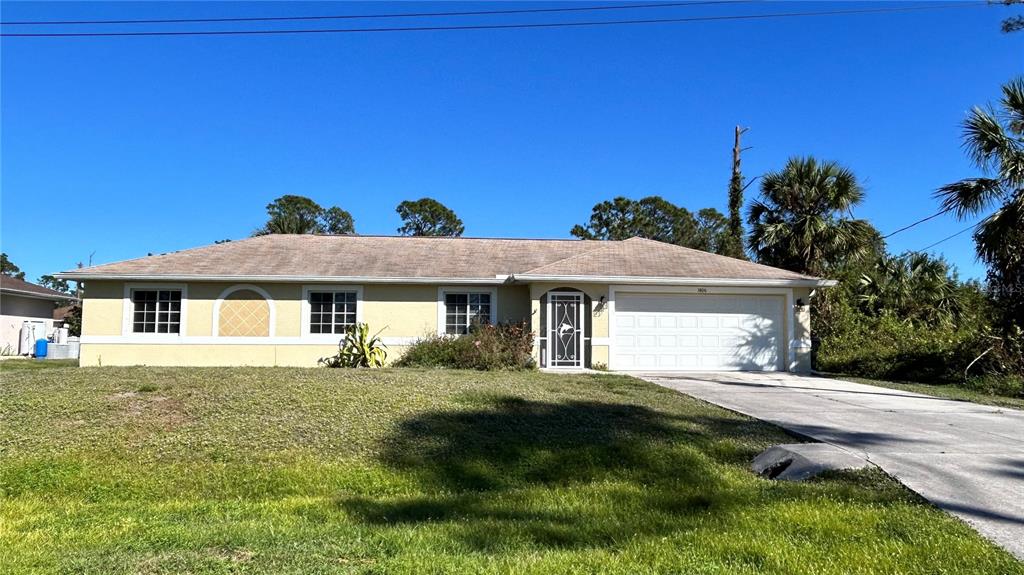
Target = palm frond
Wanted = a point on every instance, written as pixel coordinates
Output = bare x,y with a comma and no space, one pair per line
985,140
1013,103
969,197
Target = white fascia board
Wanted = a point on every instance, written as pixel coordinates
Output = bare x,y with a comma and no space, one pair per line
638,280
284,279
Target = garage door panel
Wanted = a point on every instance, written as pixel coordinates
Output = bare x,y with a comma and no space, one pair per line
709,332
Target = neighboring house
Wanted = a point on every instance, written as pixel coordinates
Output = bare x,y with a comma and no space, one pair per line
286,299
21,301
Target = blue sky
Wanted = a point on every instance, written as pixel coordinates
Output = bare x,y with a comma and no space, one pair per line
125,146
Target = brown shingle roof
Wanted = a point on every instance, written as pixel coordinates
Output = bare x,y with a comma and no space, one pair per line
324,256
13,285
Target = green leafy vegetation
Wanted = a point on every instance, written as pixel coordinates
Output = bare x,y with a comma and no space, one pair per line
656,218
281,471
428,217
292,214
358,349
801,220
503,346
9,268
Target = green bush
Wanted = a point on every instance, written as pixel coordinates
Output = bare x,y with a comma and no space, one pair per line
487,347
1004,385
887,348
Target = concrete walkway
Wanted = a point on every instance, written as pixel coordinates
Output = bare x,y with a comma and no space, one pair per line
967,459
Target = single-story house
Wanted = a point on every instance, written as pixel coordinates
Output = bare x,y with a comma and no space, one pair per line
285,300
20,302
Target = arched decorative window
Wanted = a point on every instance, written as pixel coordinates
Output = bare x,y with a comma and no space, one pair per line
244,311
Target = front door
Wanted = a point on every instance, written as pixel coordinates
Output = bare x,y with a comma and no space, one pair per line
565,329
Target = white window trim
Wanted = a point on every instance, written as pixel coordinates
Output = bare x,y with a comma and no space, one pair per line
445,290
128,310
239,287
789,362
327,337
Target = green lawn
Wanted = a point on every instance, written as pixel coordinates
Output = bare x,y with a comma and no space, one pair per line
20,364
148,470
961,392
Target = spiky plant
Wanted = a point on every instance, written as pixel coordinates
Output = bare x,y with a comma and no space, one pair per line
359,349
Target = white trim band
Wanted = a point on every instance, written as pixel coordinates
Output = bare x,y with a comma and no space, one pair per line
163,339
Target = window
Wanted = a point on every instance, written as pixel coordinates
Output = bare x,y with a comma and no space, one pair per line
156,311
464,310
331,311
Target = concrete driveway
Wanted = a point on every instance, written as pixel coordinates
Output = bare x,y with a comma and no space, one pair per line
967,459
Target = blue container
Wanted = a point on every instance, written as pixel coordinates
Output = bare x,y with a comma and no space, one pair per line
40,347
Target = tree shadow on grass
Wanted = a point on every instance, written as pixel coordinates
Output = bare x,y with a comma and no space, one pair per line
512,472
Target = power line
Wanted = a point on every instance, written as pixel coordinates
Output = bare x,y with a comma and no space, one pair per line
921,221
368,16
776,15
968,228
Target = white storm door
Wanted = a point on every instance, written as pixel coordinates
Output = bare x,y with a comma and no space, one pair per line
565,330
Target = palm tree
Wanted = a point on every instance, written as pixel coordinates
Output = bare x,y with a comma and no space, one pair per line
803,220
915,287
994,141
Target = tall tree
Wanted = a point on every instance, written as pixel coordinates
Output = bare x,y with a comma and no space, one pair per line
734,239
291,214
8,268
55,284
994,140
713,233
654,218
428,217
803,220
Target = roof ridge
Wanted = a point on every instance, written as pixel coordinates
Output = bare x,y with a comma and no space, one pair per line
604,245
713,254
439,238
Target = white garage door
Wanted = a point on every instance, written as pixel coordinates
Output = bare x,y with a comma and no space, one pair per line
697,332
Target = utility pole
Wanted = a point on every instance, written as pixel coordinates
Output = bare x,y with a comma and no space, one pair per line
736,187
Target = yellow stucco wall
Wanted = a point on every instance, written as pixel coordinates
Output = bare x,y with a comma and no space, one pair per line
404,312
401,311
101,308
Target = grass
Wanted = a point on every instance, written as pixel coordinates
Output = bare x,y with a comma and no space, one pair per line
161,470
976,391
22,364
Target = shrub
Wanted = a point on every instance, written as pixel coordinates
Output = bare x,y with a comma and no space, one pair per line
1004,385
358,349
887,348
488,347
